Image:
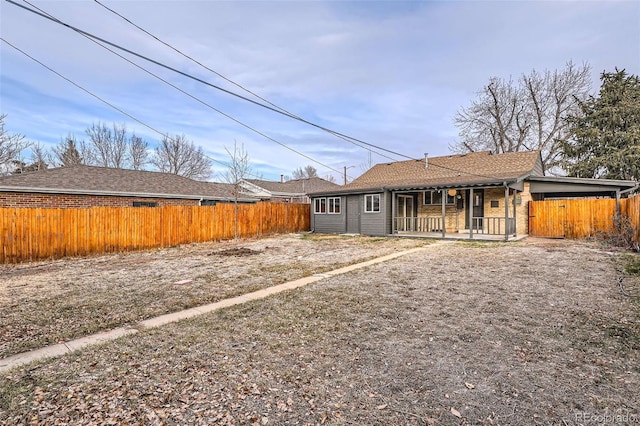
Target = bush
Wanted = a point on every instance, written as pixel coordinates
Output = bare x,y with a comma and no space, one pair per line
622,235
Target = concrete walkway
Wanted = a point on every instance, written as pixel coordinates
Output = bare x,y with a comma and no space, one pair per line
73,345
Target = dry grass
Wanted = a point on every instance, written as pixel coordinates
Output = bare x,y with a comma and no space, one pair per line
48,302
534,332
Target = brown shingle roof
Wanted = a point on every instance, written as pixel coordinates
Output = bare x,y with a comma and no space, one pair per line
90,180
295,186
450,170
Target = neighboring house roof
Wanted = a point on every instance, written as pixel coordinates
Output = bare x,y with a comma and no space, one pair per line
295,187
91,180
477,168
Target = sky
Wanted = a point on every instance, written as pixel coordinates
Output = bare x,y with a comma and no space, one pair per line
392,74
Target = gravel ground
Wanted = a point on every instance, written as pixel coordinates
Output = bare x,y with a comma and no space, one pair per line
533,332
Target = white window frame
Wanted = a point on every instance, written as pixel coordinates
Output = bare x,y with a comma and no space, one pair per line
366,203
332,203
451,199
318,204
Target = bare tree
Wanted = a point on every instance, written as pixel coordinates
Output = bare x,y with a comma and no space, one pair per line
11,145
108,146
38,161
307,172
40,157
138,152
528,114
180,156
66,153
365,166
330,178
238,169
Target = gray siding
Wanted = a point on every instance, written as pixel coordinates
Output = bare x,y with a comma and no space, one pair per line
375,223
538,170
370,223
329,223
388,196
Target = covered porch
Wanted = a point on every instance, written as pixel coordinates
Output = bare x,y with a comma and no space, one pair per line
484,212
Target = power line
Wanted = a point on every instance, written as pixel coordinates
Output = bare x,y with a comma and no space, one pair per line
96,39
292,115
208,105
153,129
191,58
199,80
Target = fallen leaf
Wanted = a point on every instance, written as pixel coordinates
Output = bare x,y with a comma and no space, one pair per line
469,385
381,407
455,412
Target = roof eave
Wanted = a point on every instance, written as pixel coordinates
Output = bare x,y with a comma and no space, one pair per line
117,193
587,181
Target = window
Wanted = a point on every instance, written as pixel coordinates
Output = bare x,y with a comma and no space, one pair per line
208,202
334,205
320,205
495,203
435,198
372,203
145,204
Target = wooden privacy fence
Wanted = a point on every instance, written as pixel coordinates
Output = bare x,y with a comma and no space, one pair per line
580,218
33,233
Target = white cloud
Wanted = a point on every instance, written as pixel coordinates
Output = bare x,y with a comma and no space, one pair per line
389,73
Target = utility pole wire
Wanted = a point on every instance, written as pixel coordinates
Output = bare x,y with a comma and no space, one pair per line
153,129
290,114
201,101
199,80
229,92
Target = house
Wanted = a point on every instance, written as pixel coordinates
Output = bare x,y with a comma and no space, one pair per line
90,186
465,194
291,191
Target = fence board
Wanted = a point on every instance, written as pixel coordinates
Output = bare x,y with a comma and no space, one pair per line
37,233
580,218
631,208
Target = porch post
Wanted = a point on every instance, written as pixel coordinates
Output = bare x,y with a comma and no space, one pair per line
444,213
470,212
515,210
506,212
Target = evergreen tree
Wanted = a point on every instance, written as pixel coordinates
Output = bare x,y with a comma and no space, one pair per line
66,153
605,137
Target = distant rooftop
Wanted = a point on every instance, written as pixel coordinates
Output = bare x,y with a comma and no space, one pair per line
83,179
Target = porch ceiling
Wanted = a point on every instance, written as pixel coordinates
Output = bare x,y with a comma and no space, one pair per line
500,184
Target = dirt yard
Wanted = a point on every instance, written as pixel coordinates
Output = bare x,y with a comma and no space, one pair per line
533,332
44,303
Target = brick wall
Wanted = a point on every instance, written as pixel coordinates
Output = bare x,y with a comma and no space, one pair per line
522,218
522,206
454,218
21,199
